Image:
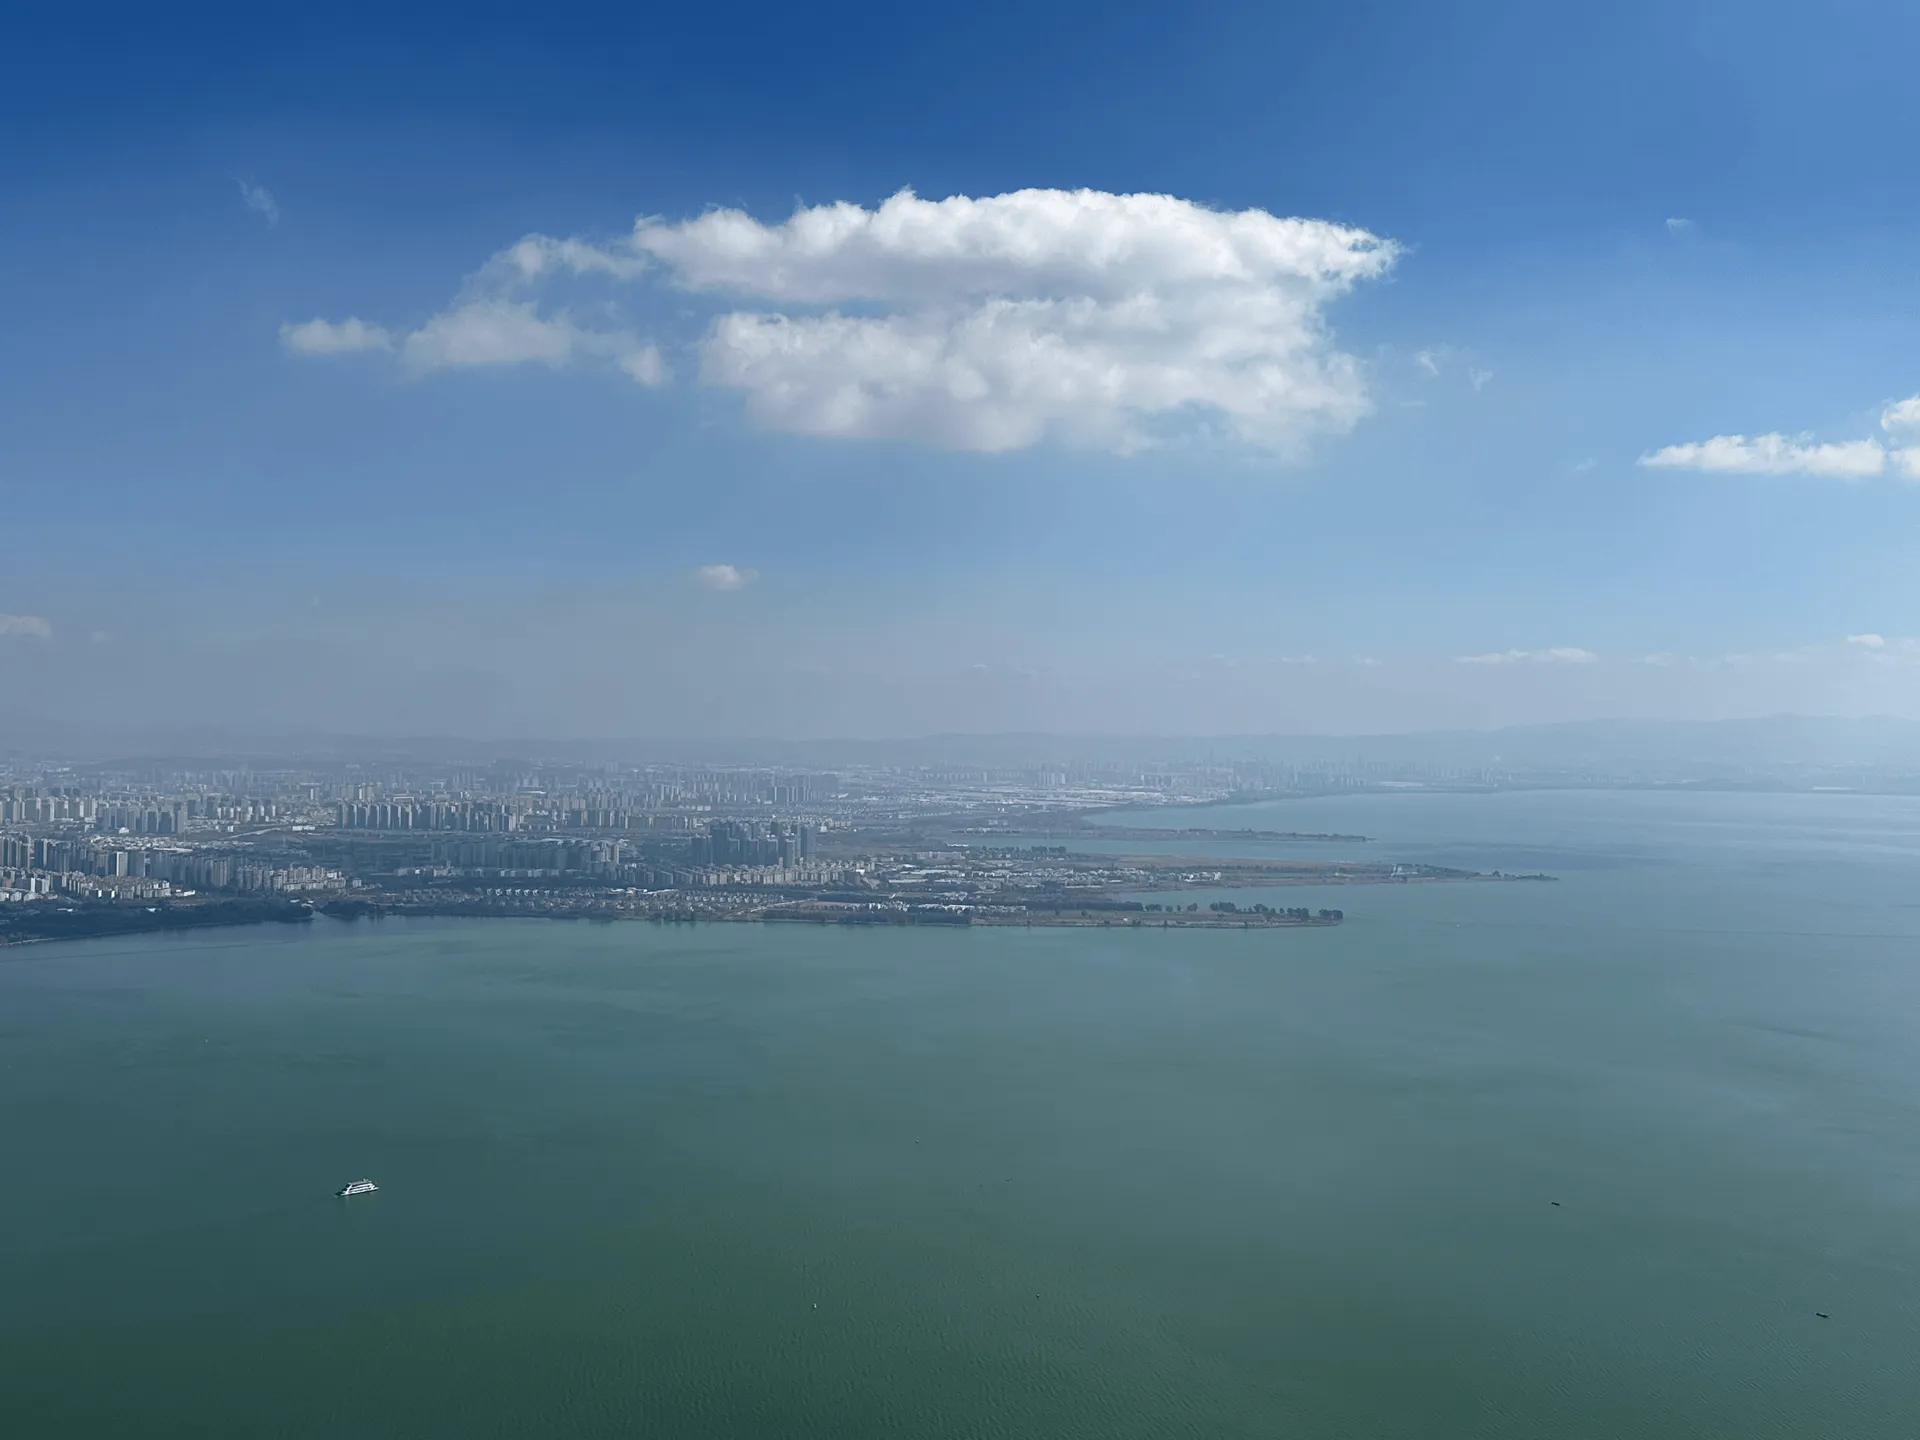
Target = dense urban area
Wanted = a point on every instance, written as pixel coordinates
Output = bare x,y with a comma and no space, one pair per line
101,848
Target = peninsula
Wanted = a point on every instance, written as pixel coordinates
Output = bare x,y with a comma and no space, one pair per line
125,847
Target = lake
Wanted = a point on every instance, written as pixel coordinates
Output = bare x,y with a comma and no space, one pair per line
743,1181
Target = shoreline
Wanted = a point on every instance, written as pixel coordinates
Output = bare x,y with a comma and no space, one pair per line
152,923
47,923
41,922
1089,829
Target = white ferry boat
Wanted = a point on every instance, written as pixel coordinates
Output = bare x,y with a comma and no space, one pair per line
358,1187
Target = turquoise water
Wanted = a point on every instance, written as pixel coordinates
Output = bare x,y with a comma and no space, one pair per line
733,1181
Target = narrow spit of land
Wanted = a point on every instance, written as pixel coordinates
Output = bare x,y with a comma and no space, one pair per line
1092,830
1070,827
954,882
1067,890
1136,916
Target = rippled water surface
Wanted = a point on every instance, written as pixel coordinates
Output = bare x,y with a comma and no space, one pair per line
733,1181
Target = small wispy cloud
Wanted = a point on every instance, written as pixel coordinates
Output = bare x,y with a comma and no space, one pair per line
1677,225
1902,416
1866,647
1778,454
25,627
1585,466
259,199
1553,655
645,365
492,332
1437,360
724,577
1901,651
334,337
484,331
1772,454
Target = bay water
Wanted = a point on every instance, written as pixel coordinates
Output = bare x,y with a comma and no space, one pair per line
1634,1153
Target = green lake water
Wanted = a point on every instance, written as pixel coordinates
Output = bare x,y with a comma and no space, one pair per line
744,1181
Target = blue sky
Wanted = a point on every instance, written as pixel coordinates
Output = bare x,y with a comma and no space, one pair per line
1439,475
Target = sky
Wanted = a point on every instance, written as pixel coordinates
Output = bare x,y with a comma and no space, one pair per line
861,370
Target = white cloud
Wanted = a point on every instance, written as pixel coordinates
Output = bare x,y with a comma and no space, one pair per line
486,330
537,256
1777,454
1554,655
1678,226
25,627
1436,359
1899,651
329,337
1087,242
986,324
492,332
724,577
1773,454
645,365
1659,659
1901,416
1084,316
259,199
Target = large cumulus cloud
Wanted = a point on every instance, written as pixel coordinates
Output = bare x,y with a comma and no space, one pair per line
987,324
